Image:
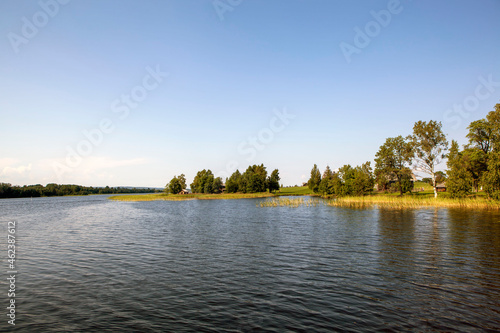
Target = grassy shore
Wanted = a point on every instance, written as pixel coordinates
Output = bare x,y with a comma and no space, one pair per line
286,191
294,191
423,199
182,197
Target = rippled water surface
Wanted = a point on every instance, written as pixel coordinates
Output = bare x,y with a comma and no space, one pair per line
88,264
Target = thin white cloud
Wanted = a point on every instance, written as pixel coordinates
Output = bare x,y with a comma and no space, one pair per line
20,170
93,170
7,162
13,172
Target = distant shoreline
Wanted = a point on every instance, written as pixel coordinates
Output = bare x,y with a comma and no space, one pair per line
77,195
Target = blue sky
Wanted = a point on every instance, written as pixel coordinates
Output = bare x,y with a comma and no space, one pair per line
169,87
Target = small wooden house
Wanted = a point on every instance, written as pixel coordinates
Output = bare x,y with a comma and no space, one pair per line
184,191
441,187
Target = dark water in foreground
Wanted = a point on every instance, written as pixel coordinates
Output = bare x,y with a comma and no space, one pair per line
87,264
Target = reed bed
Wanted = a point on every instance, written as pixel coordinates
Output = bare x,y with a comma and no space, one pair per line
413,202
289,202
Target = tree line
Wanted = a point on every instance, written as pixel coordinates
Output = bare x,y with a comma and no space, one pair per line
475,166
347,181
50,190
253,180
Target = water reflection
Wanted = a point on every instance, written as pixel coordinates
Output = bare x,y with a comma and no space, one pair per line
433,261
397,240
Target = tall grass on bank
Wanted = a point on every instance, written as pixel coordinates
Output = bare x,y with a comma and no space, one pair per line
410,202
183,197
288,202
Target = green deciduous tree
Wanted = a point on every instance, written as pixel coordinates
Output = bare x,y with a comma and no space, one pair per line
429,146
347,181
255,178
440,177
217,185
459,182
233,182
182,180
273,182
393,160
406,181
491,178
203,182
354,181
493,119
315,179
363,179
475,161
481,134
326,186
382,179
347,175
174,186
484,140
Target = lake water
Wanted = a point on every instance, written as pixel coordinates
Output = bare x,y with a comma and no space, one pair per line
88,264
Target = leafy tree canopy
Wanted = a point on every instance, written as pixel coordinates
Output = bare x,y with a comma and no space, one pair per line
429,146
393,159
315,179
